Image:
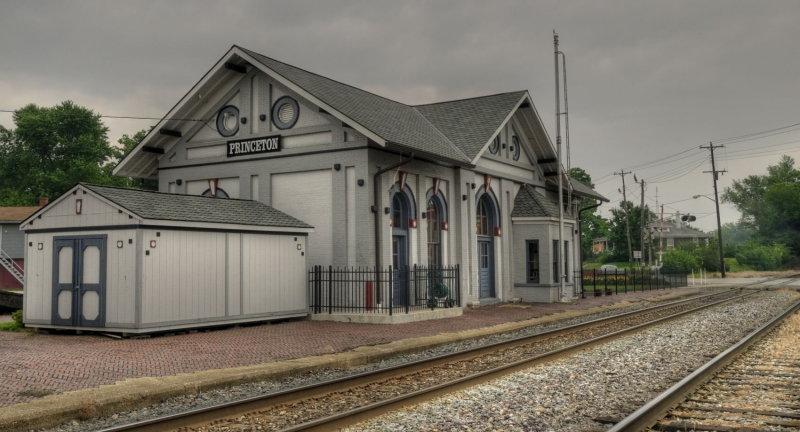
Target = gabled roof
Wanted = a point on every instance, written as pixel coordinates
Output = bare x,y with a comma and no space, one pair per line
583,190
471,123
160,206
454,131
393,121
16,214
529,203
676,230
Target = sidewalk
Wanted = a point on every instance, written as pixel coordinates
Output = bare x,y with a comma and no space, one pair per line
37,365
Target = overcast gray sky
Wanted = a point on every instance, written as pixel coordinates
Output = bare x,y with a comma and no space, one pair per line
647,79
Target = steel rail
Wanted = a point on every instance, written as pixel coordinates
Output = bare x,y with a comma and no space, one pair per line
346,418
650,413
207,414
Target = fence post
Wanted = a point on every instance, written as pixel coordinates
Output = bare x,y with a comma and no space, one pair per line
391,290
458,284
407,291
330,289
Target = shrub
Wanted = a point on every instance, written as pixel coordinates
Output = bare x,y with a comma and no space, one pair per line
763,257
678,261
17,317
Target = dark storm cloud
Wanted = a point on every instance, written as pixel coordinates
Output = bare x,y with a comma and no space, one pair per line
646,78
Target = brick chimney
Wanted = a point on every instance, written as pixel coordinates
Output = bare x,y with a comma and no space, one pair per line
43,201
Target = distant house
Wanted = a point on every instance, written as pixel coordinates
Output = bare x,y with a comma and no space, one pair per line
674,234
600,245
12,244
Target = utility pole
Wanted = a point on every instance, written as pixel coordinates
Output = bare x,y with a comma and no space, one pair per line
622,173
642,222
715,174
661,238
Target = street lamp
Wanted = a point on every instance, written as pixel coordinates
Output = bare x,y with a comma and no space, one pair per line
719,231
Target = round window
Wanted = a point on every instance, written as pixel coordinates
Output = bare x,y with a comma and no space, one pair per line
515,150
228,121
495,146
285,112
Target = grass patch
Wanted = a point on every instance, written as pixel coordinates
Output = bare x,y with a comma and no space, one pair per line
11,326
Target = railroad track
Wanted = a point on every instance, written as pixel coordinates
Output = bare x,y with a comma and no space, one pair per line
339,402
753,386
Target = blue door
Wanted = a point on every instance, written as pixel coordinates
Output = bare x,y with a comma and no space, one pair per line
486,266
79,281
400,266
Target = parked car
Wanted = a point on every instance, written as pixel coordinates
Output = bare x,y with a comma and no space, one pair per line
611,269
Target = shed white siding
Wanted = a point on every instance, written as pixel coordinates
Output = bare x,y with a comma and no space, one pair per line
93,212
183,277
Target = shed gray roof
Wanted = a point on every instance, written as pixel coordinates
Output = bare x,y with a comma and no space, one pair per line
529,203
192,208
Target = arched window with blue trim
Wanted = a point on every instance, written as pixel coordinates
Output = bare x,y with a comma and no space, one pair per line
436,219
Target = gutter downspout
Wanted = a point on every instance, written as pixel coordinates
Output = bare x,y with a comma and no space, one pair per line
580,236
375,198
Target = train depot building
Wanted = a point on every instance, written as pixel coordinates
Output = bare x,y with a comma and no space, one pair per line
470,184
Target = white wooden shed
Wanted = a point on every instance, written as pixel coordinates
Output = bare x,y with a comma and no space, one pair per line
132,261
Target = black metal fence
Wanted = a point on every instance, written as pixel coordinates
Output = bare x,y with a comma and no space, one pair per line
383,291
599,282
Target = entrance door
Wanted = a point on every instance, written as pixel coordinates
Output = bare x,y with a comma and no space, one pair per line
400,266
486,217
486,267
79,281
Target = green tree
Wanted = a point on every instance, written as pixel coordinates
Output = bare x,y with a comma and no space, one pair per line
617,231
770,204
592,224
50,150
127,144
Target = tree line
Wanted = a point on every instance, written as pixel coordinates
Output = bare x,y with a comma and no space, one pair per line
50,149
767,237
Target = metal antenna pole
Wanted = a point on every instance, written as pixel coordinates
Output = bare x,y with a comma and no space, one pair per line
561,275
716,173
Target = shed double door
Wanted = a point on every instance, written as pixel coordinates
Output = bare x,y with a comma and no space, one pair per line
79,281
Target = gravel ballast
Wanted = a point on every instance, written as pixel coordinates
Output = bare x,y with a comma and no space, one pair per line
207,398
608,381
230,393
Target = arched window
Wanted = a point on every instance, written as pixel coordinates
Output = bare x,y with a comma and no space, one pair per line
220,193
436,216
482,218
399,211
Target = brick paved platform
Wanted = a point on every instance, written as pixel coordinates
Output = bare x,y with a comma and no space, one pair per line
34,365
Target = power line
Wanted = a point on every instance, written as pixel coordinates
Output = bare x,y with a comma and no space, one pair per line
131,117
757,135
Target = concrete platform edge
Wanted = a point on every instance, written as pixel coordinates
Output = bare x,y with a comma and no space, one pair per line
139,392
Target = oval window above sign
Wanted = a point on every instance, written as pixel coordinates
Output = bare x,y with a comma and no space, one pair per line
515,151
228,121
285,112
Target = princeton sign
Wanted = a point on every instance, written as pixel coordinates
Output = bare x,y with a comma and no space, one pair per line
254,146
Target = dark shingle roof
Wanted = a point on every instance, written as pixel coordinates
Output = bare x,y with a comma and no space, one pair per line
393,121
192,208
529,203
583,190
676,230
470,123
